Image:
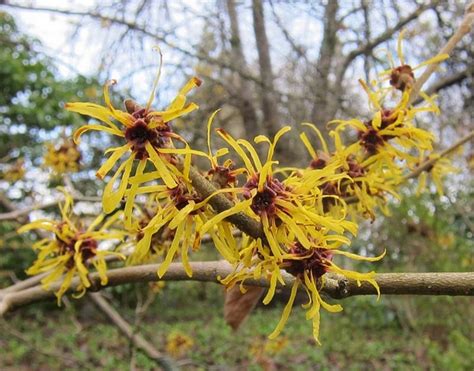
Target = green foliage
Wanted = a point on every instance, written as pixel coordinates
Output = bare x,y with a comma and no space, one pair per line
33,97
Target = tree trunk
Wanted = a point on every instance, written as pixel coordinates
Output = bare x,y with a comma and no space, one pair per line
325,103
269,102
244,96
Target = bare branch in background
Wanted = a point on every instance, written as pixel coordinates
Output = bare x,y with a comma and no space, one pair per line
244,90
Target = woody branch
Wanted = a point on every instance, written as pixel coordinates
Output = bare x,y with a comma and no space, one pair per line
338,287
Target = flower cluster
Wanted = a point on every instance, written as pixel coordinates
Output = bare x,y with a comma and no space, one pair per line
14,172
307,215
63,158
72,248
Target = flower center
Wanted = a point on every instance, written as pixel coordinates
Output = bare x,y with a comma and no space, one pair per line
181,197
139,134
317,163
67,247
315,260
264,200
371,139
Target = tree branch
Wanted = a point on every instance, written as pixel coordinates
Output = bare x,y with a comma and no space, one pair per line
463,29
142,29
447,82
18,213
336,286
370,45
428,164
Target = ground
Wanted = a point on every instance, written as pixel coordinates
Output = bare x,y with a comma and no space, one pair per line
366,335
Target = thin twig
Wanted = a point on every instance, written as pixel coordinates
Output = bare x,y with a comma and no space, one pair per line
428,164
463,29
18,213
139,341
336,286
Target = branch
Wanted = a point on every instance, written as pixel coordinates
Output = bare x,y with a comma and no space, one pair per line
145,31
447,82
428,164
139,341
366,48
463,29
336,286
221,203
18,213
22,285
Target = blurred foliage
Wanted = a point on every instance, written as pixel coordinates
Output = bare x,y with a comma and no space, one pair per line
33,97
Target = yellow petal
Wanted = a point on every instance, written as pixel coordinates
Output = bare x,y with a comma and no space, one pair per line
116,155
286,311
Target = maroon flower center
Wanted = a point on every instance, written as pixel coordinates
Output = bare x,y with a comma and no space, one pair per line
87,248
316,260
370,140
181,197
139,134
264,200
317,163
355,170
224,176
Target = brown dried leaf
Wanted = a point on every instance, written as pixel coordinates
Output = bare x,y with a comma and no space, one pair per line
238,306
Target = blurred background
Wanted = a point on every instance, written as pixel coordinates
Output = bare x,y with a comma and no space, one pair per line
265,63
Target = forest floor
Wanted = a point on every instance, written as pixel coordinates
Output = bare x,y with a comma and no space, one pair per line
393,334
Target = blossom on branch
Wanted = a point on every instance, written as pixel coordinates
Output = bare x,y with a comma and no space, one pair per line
145,133
72,248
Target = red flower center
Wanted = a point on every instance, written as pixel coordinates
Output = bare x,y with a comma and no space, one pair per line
316,261
139,134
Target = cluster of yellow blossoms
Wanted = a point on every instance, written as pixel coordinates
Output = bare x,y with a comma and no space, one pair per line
307,215
14,172
62,158
73,248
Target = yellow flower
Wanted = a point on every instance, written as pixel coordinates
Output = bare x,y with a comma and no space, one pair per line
14,172
438,171
309,267
72,249
285,208
147,135
178,344
402,77
64,158
367,184
180,213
